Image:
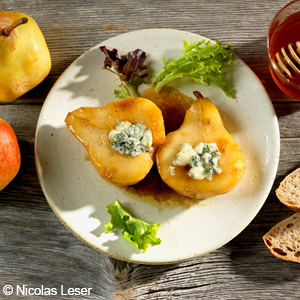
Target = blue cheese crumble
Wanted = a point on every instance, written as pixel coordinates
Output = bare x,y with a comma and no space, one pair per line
131,139
203,160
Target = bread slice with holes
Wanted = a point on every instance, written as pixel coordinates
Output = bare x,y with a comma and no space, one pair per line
283,240
288,191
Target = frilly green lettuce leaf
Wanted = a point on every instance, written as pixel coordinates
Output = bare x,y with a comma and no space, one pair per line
135,231
199,61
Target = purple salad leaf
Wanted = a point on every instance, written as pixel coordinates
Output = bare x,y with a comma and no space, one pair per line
130,68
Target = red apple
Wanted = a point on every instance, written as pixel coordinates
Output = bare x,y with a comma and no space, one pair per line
10,157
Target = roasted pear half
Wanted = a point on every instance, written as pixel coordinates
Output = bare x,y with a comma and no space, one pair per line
202,123
93,125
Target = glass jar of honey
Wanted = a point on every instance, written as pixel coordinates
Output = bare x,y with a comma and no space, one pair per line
284,30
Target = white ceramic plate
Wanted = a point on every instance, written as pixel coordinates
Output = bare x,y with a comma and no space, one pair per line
78,196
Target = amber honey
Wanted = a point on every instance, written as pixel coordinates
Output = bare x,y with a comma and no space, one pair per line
285,30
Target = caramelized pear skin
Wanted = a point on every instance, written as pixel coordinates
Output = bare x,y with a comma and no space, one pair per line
91,126
202,123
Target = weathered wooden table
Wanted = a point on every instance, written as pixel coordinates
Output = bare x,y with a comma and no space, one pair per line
37,250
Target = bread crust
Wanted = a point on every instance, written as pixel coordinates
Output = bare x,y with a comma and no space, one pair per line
288,191
283,240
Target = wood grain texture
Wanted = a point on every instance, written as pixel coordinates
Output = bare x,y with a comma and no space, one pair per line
36,249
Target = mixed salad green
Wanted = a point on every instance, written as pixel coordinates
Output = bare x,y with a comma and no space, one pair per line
130,68
202,62
199,61
135,231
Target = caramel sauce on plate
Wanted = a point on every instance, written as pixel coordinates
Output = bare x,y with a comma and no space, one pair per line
173,105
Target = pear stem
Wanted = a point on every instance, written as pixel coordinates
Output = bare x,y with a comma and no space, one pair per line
7,30
197,94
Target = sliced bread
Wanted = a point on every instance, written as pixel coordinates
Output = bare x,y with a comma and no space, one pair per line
283,240
288,191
